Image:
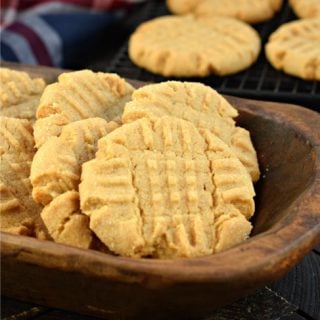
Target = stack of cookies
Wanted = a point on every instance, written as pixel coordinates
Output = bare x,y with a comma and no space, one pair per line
162,171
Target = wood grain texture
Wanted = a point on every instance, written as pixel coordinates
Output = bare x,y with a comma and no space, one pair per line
286,227
297,286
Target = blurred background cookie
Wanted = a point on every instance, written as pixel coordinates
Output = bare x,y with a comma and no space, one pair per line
251,11
306,8
182,6
183,46
295,48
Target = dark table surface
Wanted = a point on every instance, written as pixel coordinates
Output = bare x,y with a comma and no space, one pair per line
295,296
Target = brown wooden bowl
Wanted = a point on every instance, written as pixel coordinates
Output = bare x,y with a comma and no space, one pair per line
286,227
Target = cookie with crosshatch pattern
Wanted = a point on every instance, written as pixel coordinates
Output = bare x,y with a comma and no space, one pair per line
162,188
79,95
202,106
183,46
295,48
55,176
19,94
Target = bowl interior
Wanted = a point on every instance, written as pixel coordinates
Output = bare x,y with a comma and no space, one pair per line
95,283
287,165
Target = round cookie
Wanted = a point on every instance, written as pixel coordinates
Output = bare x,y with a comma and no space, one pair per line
19,94
55,176
202,106
251,11
306,8
295,48
162,188
184,46
79,95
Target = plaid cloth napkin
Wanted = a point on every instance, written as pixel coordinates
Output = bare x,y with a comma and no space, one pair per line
46,31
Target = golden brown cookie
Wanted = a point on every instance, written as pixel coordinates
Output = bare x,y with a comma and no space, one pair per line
19,94
251,11
295,48
202,106
306,8
18,212
79,95
184,46
162,188
57,164
55,176
65,222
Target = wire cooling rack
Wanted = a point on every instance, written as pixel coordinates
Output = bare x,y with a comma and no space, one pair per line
260,81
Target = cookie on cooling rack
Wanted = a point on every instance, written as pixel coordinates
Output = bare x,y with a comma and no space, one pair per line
162,188
306,8
184,46
202,106
19,94
251,11
79,95
295,48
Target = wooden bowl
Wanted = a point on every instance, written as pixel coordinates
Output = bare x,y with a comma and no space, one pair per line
286,227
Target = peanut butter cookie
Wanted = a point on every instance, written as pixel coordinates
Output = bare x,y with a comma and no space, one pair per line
295,48
55,176
183,46
57,164
162,188
65,222
79,95
19,94
306,8
251,11
202,106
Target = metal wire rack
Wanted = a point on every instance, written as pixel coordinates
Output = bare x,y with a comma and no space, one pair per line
260,81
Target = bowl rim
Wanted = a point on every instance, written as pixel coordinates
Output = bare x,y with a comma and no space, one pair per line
265,262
